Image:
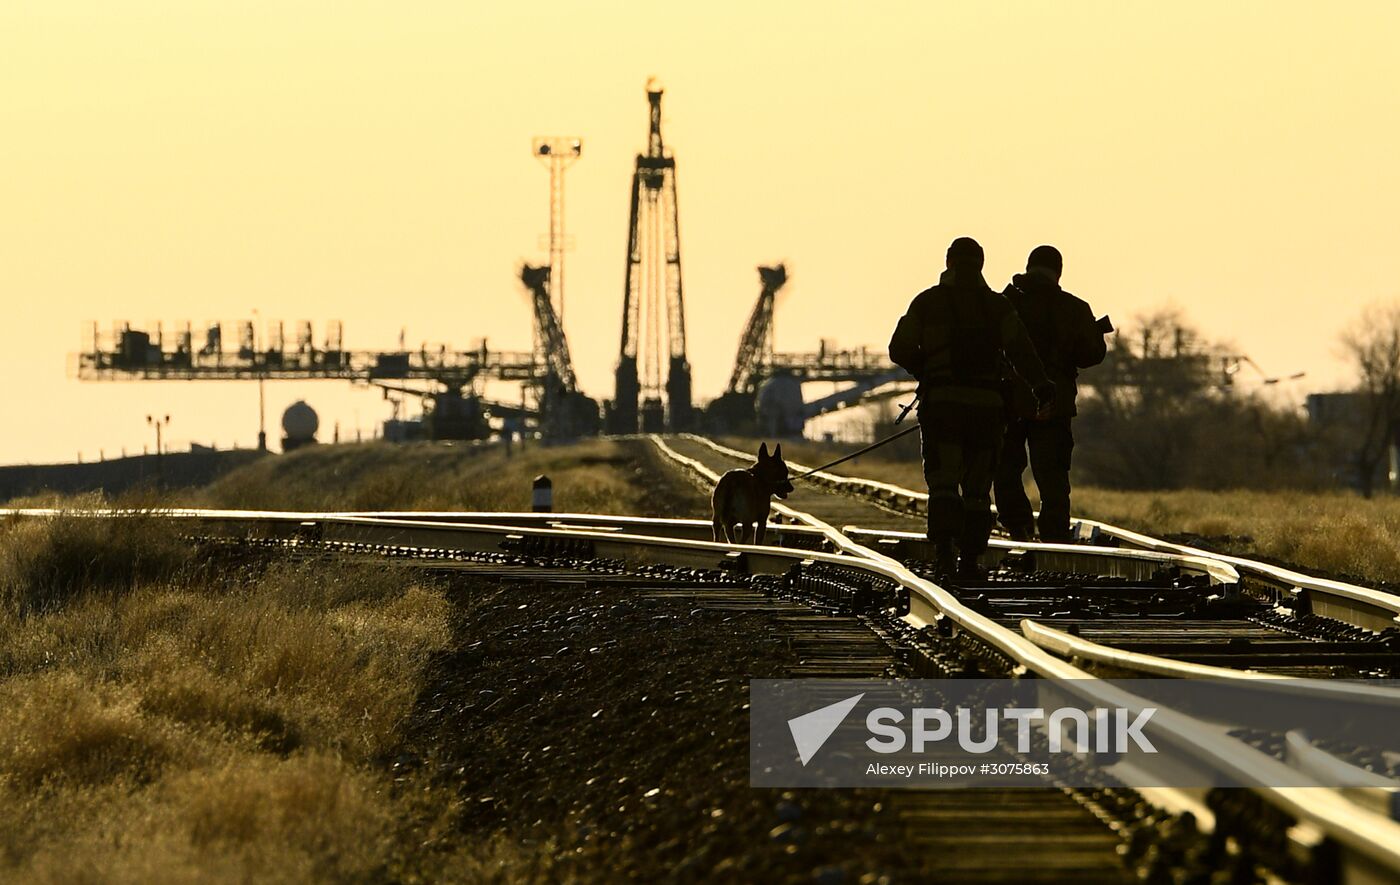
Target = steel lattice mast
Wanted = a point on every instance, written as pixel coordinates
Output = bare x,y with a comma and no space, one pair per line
551,347
653,300
557,153
756,345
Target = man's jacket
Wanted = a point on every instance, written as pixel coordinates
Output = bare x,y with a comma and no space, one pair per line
956,337
1065,335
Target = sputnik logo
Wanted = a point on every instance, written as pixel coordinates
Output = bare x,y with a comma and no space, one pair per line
811,730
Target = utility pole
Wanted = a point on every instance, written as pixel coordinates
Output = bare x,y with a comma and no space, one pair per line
259,360
151,420
558,153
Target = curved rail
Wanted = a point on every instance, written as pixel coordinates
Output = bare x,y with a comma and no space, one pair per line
1348,696
689,529
1113,561
1379,794
1069,646
1349,603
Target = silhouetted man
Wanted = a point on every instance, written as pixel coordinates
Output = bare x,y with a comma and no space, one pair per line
1068,339
954,339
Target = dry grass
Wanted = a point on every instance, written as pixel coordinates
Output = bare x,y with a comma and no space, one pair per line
162,719
600,476
1337,532
45,564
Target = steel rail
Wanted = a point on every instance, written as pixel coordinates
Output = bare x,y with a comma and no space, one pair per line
692,529
910,545
1360,606
1379,794
1110,561
1328,700
1069,646
1374,792
1075,557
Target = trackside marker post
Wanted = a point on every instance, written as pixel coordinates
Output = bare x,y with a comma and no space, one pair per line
542,495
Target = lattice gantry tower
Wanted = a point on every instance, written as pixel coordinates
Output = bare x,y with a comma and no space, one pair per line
653,311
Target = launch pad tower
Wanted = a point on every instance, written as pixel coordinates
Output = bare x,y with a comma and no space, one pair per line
653,310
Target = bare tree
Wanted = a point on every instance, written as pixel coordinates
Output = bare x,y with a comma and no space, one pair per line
1136,428
1373,345
1166,411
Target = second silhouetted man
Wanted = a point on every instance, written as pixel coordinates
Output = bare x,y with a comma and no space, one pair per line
1067,338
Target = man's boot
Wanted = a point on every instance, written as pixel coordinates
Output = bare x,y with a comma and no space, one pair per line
1020,532
945,524
945,562
969,569
977,525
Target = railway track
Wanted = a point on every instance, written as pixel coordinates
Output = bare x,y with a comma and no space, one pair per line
1266,621
1051,611
1302,594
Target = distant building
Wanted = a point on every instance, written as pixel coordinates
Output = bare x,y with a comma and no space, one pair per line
1343,417
1340,409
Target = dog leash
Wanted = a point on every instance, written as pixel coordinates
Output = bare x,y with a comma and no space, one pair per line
875,445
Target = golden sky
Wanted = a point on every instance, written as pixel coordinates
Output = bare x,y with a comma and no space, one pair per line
369,161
